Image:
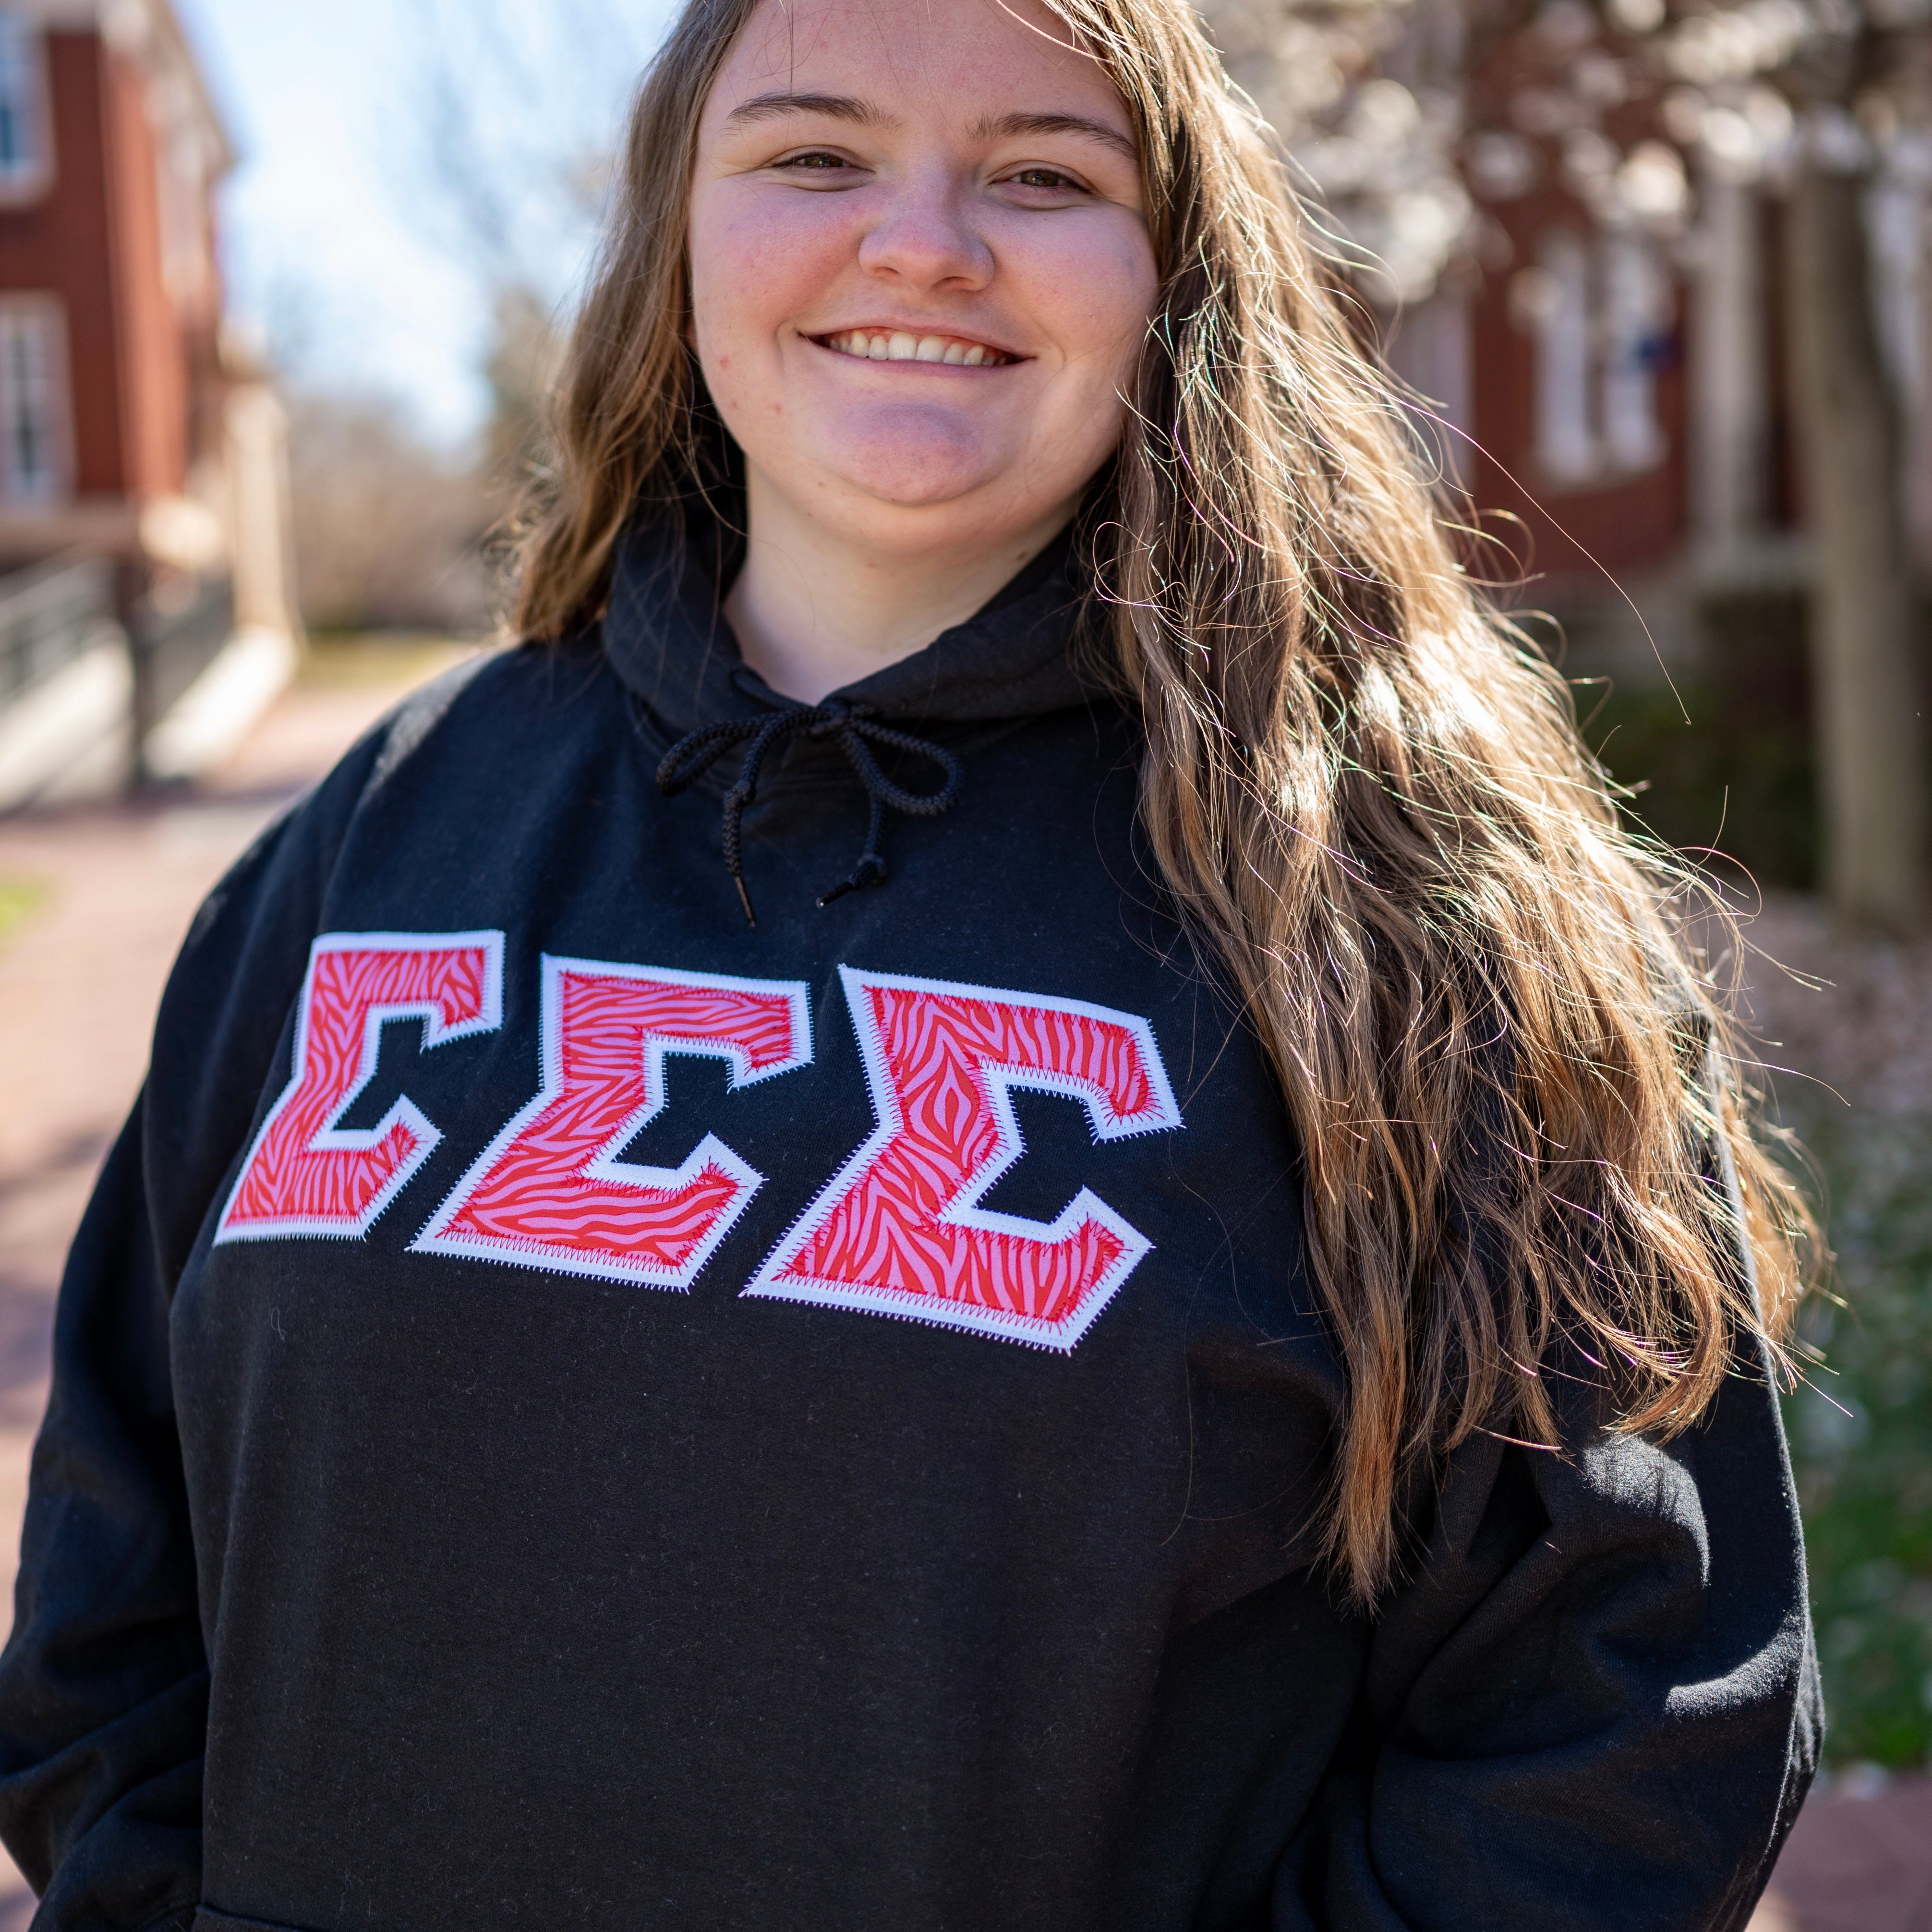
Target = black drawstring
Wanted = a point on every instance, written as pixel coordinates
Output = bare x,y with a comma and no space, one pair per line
851,724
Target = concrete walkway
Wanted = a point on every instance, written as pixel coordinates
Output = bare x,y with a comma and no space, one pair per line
78,981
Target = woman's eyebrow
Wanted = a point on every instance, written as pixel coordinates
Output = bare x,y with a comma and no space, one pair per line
863,114
839,107
1011,125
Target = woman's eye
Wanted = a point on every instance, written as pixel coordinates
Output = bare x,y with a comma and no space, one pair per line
815,163
1045,178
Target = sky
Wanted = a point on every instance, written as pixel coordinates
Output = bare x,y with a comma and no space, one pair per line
343,245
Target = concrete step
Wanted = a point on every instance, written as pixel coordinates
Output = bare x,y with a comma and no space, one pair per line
68,740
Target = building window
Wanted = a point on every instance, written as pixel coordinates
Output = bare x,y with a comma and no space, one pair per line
1636,338
1431,349
36,442
26,153
1567,449
1600,309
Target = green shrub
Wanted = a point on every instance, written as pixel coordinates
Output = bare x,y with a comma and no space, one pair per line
1724,759
1861,1440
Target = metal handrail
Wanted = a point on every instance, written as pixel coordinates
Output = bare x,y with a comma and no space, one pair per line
172,647
50,615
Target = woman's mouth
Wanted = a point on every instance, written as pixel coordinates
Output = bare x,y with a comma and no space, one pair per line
901,345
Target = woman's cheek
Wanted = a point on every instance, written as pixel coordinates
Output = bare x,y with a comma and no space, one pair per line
1120,288
782,252
1094,304
749,272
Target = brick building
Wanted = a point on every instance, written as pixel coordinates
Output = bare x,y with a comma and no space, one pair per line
1587,258
134,435
1601,340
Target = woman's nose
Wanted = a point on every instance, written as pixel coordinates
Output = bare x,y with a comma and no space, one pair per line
925,238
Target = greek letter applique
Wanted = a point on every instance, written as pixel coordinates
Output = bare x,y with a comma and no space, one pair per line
550,1191
899,1232
305,1176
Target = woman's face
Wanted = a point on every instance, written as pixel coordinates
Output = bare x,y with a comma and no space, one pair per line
920,264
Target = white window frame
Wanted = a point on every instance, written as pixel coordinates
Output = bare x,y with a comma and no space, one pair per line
1568,449
1602,304
36,392
1635,297
24,89
1432,350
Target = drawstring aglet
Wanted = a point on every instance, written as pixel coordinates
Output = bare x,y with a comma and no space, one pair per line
745,900
871,871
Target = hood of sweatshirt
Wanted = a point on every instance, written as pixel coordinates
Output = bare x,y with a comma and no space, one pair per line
666,636
898,734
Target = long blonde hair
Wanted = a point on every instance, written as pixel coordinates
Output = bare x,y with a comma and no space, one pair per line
1513,1091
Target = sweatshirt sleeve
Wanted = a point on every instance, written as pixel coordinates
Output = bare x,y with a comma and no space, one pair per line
1596,1704
103,1683
1596,1708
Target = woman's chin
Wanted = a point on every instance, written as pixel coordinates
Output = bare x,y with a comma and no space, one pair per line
919,459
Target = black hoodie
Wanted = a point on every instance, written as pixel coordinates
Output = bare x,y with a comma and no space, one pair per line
570,1409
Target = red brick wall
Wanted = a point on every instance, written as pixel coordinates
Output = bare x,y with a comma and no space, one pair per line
94,241
62,244
1627,524
154,357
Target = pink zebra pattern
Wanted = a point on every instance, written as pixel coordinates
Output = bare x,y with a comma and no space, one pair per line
550,1191
305,1176
899,1231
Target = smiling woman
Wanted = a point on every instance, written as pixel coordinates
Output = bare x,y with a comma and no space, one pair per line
949,231
1196,1353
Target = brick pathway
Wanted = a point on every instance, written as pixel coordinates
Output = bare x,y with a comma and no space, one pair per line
1859,1860
78,986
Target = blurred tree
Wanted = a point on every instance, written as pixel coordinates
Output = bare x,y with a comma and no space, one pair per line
1402,115
526,354
387,527
1867,667
518,110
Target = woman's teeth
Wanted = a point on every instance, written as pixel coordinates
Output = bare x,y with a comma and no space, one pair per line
900,345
